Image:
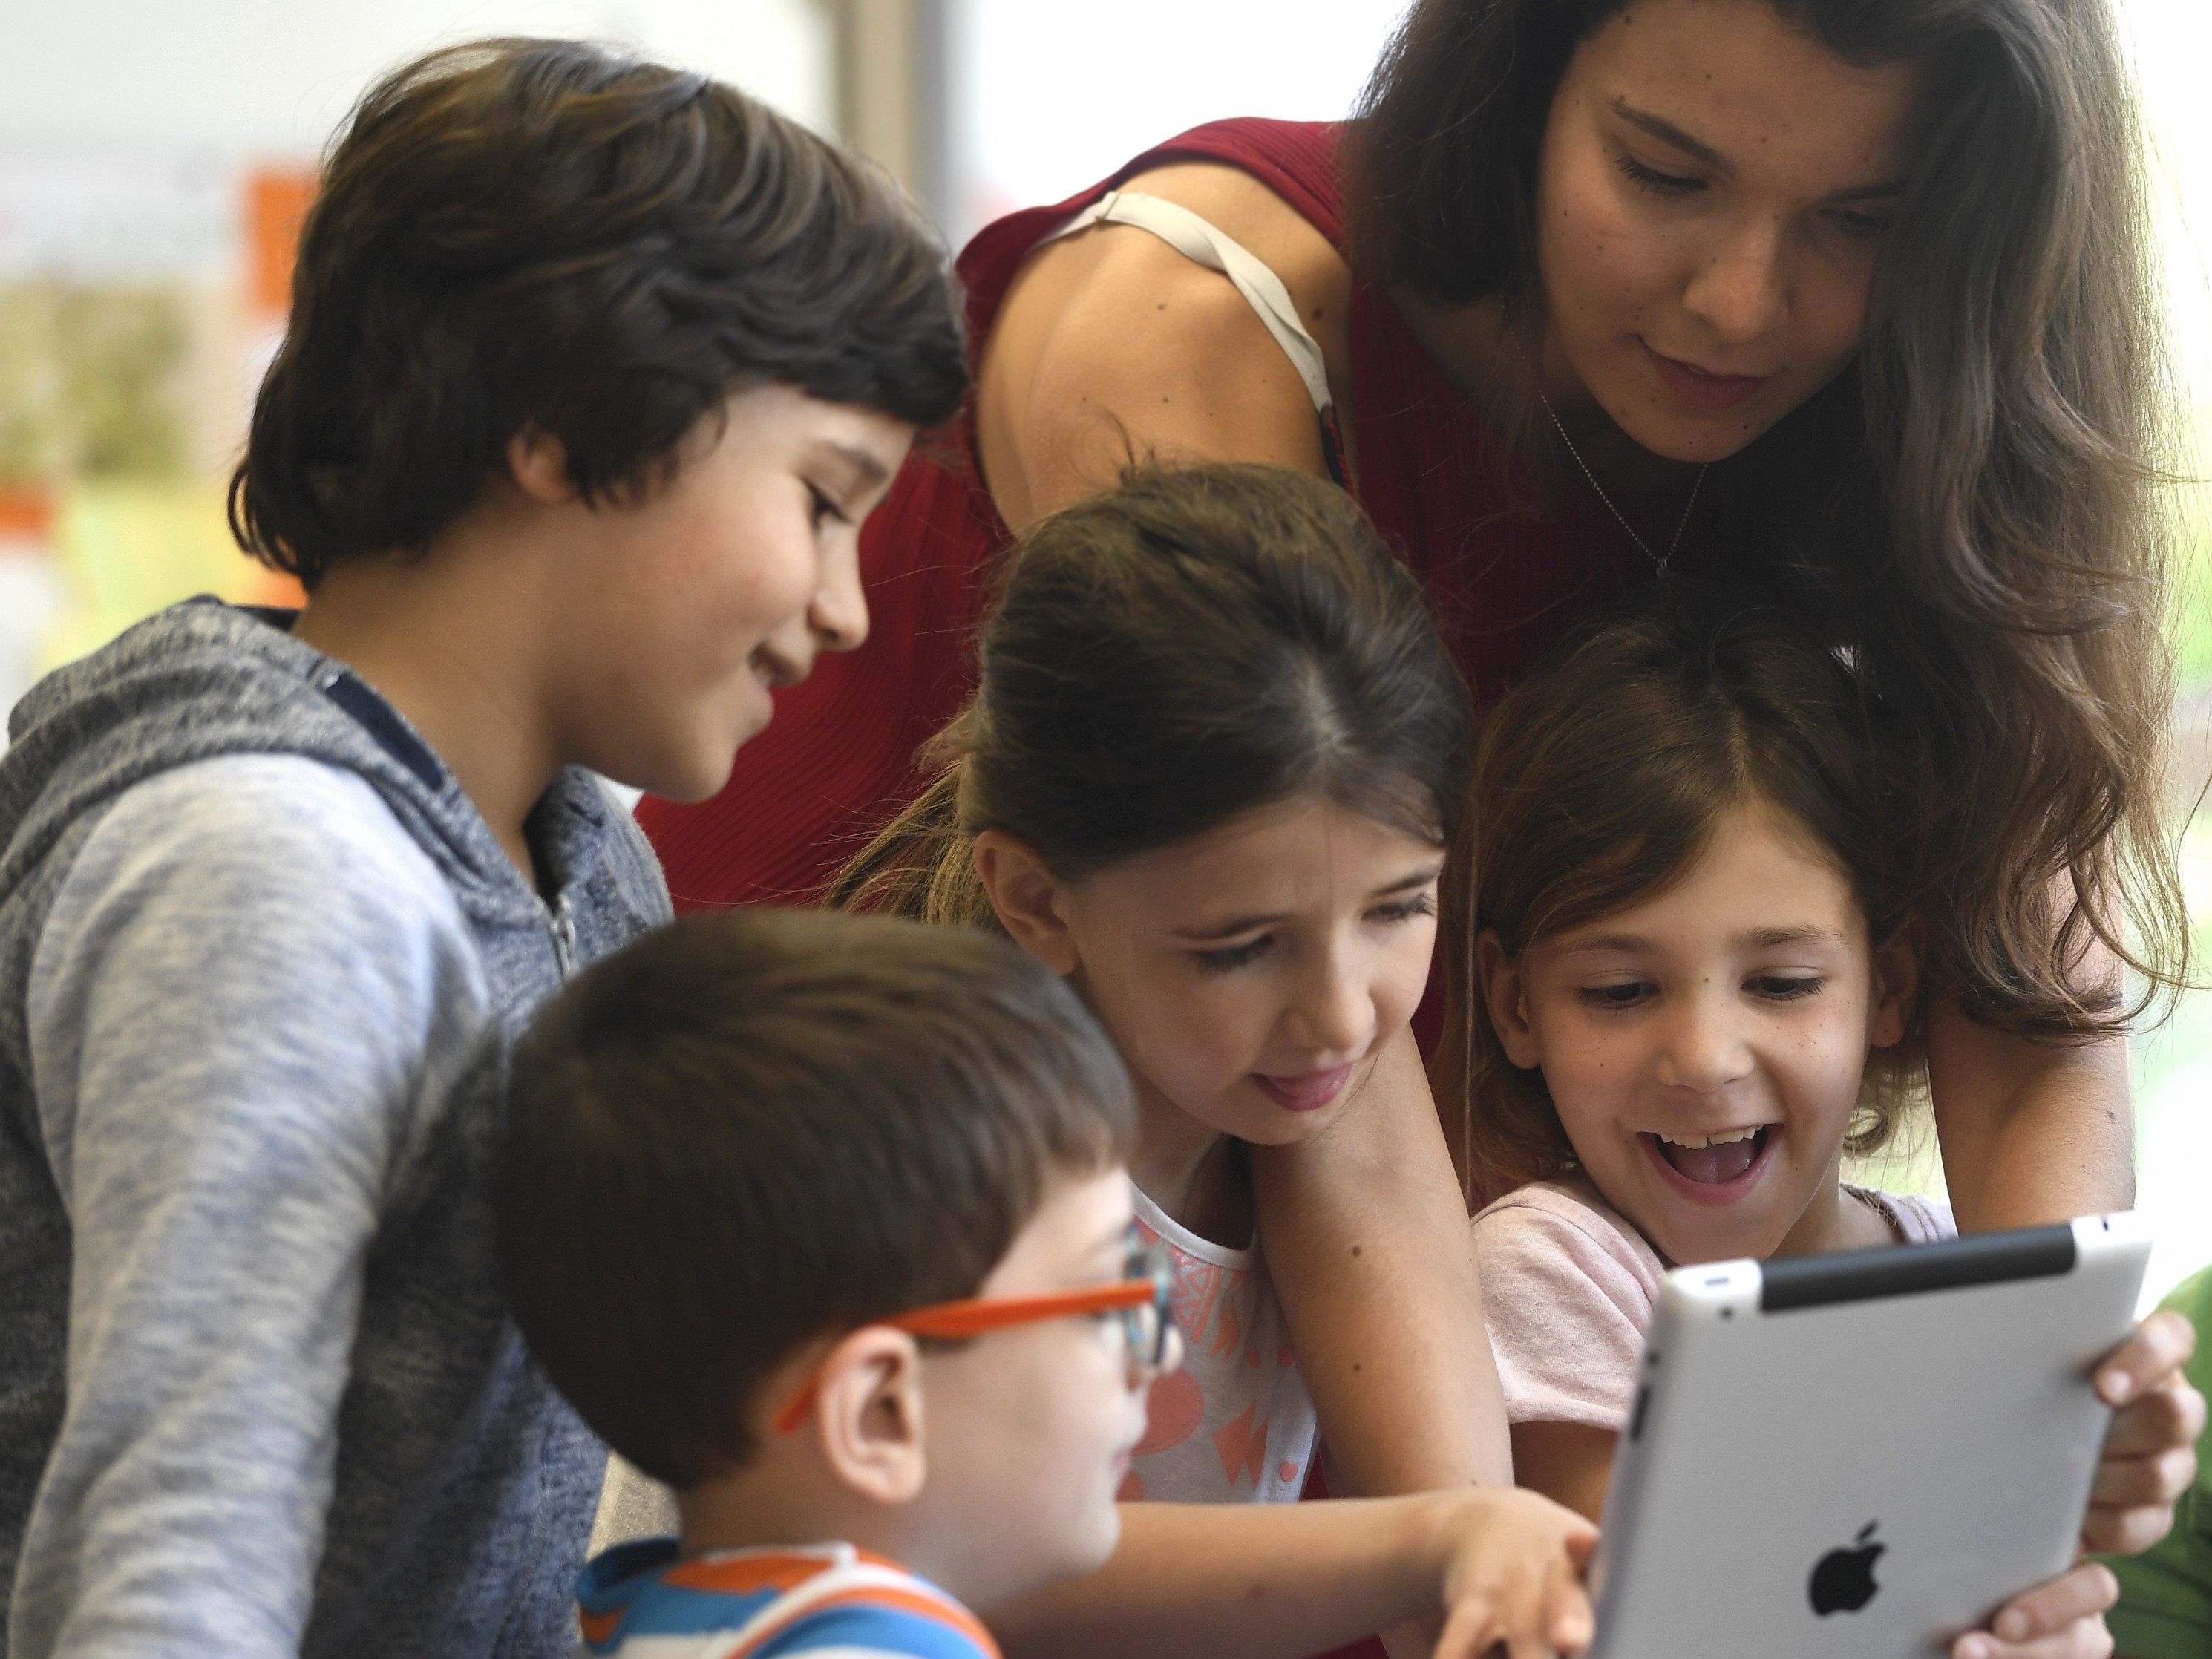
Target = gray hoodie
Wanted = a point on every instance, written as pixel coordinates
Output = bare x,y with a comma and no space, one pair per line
259,959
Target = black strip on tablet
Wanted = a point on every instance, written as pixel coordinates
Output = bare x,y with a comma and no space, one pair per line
1816,1281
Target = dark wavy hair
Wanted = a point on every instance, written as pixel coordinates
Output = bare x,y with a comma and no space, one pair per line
1972,506
1598,782
1165,657
544,233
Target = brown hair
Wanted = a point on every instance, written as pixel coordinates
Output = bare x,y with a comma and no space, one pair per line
1165,657
1598,782
544,233
755,1127
1970,507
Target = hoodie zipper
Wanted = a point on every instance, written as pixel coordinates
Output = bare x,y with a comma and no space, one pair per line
563,926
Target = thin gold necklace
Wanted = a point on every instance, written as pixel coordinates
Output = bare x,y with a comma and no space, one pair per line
1658,563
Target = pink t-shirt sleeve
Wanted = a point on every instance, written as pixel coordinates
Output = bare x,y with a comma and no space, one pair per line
1567,1302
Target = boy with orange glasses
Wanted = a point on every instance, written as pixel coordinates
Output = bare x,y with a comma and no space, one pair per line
824,1221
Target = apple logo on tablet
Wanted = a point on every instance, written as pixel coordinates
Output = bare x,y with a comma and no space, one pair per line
1842,1580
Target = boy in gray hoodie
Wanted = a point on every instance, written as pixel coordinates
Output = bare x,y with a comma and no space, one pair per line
594,369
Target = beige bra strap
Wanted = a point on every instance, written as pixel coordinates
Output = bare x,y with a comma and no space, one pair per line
1199,241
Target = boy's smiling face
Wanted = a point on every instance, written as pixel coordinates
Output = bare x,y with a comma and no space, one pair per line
1704,1048
683,611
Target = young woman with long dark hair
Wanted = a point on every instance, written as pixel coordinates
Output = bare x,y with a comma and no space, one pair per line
1843,303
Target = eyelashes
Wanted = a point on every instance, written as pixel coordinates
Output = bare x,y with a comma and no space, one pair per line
1788,987
1657,183
1854,222
1767,988
1424,904
1238,955
1229,960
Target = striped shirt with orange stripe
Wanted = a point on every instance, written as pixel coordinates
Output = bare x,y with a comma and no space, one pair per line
647,1601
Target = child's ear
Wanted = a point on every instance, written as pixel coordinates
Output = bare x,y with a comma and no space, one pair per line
1505,996
1896,984
1027,900
538,463
867,1414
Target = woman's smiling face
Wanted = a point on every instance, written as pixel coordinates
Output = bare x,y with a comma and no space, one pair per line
1712,195
1704,1048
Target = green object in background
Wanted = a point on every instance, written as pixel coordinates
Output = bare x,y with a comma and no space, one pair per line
2189,624
2165,1593
125,551
90,382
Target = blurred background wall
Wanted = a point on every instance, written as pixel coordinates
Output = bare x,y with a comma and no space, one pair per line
155,155
155,158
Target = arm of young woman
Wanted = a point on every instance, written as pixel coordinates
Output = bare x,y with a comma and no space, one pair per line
2033,1132
2030,1133
1365,1235
1112,347
1279,1581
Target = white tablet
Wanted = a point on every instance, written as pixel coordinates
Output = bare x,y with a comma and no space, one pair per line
1865,1454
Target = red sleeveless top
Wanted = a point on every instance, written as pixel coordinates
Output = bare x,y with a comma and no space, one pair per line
838,759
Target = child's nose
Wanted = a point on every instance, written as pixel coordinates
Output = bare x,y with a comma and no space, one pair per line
838,615
1332,1016
1702,1050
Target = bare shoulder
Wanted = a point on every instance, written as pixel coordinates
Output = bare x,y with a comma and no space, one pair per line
1268,228
1112,345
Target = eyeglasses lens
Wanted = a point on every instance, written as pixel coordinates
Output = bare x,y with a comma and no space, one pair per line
1149,1322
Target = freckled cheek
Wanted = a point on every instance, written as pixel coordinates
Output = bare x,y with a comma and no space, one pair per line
1821,1070
1591,1097
1594,1072
1604,271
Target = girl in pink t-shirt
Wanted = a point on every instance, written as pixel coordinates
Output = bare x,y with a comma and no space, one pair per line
1687,985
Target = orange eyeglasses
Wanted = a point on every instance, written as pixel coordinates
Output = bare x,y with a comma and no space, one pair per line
1141,1299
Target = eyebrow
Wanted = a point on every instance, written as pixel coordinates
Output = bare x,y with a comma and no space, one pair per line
1759,939
868,470
1767,938
1405,883
1871,192
1624,943
1668,133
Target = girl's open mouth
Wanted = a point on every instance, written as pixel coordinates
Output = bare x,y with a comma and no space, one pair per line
1712,1170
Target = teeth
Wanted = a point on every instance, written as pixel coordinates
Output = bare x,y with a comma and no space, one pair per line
1696,1142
